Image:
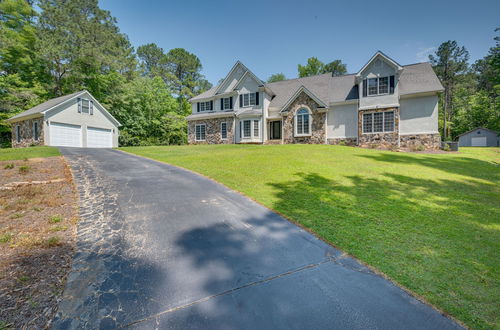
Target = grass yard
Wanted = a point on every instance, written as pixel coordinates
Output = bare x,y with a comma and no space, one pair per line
26,153
431,222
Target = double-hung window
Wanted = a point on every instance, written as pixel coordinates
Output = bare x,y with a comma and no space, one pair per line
226,103
378,86
256,128
85,106
205,106
302,123
247,128
223,130
378,122
200,132
249,99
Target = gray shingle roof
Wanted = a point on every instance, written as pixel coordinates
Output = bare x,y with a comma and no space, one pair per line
46,105
415,78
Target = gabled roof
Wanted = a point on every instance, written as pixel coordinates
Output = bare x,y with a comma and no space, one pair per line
53,103
475,129
300,90
381,55
242,79
46,105
216,90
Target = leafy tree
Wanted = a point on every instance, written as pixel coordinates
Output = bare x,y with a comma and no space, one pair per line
450,63
337,68
276,77
80,41
488,69
315,67
152,59
312,68
479,110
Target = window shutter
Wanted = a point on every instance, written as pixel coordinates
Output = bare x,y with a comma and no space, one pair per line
91,107
391,85
211,105
231,102
241,133
256,98
241,100
222,104
198,107
365,90
79,105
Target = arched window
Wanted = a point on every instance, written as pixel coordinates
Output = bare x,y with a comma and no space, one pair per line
303,122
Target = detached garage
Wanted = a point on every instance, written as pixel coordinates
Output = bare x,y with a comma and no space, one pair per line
75,120
479,137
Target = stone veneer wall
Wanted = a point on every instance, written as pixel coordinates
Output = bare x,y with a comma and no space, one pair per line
347,141
212,131
317,125
27,138
383,140
414,141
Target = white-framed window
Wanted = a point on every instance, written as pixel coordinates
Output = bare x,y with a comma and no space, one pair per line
247,129
256,128
223,130
205,106
35,131
200,131
249,99
378,86
85,106
226,103
302,122
378,122
18,133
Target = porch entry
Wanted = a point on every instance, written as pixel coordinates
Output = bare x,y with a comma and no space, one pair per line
275,130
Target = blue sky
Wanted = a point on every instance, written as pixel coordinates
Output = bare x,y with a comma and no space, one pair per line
271,36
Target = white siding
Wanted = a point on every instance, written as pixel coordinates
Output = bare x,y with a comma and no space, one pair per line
342,121
419,115
68,114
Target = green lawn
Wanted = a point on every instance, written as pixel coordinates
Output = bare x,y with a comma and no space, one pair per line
31,152
431,222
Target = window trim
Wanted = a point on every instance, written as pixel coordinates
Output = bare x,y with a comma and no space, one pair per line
249,103
221,135
309,113
383,122
223,100
196,132
256,128
243,136
378,86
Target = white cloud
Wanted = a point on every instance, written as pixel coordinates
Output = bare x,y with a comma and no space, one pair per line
423,54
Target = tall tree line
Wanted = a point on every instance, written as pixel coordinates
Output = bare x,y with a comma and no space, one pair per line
470,98
71,45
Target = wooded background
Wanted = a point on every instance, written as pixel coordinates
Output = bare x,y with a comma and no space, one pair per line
66,46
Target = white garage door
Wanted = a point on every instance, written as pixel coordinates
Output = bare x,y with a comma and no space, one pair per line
99,138
65,135
478,141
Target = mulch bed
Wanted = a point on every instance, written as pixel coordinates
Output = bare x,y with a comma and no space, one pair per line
37,237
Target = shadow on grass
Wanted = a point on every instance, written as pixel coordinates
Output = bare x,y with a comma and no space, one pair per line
420,232
465,166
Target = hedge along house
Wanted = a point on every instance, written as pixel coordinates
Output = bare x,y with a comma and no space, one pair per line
384,104
74,120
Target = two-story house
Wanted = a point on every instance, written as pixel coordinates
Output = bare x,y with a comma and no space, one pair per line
384,104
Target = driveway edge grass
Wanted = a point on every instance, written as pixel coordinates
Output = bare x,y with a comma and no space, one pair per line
372,268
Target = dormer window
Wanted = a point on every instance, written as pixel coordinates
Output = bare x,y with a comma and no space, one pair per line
226,103
249,99
378,86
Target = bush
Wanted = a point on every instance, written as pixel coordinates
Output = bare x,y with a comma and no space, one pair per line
342,143
446,147
24,169
9,166
55,219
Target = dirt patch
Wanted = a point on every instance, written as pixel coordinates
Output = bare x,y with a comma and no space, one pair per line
37,237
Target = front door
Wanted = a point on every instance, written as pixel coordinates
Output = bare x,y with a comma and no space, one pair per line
275,130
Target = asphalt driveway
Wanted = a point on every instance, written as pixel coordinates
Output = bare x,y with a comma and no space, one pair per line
162,247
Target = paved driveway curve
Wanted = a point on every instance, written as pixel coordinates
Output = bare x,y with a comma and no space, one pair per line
162,247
